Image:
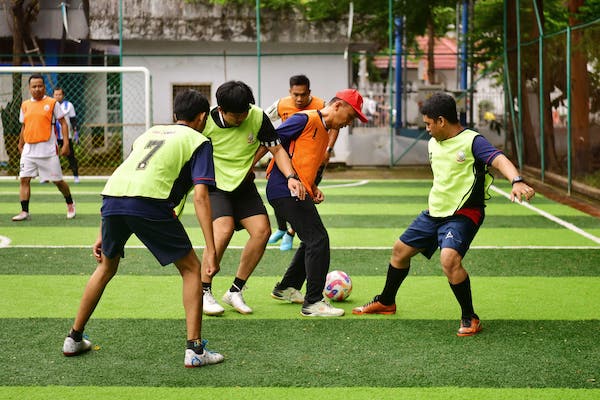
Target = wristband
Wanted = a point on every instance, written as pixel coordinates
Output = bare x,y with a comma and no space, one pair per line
330,150
517,179
290,176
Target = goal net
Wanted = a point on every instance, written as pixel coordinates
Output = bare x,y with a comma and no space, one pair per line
112,104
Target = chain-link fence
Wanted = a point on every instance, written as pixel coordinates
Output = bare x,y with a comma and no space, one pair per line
111,103
552,83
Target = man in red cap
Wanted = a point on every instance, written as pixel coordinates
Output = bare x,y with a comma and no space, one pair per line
305,136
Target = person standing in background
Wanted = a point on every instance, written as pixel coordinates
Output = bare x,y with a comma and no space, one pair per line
73,131
37,145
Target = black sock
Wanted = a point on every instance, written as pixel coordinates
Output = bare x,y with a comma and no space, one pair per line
196,345
69,199
25,205
292,234
76,335
462,292
393,281
206,286
238,284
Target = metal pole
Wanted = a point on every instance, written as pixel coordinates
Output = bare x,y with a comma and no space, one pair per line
258,48
569,133
541,83
398,45
390,79
519,94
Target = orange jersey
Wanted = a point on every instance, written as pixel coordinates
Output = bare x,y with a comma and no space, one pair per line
38,118
306,151
286,107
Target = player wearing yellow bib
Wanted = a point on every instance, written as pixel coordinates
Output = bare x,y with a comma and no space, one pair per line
143,197
237,128
459,161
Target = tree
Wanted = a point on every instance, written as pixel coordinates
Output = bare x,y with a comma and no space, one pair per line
23,14
580,95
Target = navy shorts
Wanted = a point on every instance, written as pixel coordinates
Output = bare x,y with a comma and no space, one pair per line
167,240
243,202
428,233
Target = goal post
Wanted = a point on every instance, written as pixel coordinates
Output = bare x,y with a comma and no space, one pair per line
113,107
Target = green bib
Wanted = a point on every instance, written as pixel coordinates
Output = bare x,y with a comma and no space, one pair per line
234,148
454,174
155,162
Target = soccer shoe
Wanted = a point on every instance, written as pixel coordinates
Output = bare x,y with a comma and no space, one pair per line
71,211
73,348
236,300
375,307
22,216
290,294
286,242
469,327
194,360
210,305
321,309
276,236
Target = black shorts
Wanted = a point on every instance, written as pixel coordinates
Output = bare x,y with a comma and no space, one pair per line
243,202
167,240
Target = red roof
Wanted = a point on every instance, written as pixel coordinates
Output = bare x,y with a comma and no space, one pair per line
445,55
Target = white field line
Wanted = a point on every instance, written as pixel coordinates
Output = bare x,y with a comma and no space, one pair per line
386,248
551,217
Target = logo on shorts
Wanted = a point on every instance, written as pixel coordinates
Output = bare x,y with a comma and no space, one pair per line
460,156
449,235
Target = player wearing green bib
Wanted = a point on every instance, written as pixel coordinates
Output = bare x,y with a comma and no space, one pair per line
459,161
143,197
237,128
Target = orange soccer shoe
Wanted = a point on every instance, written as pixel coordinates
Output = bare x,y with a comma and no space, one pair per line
375,307
469,327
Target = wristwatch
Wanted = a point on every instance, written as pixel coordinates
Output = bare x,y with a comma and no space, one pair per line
290,176
330,149
517,178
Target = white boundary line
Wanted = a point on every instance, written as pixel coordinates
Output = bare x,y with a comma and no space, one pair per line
551,217
386,248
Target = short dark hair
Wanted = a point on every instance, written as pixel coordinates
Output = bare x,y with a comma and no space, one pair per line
235,97
299,80
59,88
35,76
440,105
188,104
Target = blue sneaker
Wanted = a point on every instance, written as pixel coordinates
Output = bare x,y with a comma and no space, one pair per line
286,242
276,236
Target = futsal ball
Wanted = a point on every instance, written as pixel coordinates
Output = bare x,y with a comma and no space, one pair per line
338,286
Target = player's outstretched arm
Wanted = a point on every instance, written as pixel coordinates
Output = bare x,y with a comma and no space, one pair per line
520,190
203,214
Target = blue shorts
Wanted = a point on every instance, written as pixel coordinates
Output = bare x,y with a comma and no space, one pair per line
167,240
428,233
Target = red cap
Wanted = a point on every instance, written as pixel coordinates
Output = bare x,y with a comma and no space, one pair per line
352,97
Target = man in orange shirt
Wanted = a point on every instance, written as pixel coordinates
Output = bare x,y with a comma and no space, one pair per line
38,148
305,137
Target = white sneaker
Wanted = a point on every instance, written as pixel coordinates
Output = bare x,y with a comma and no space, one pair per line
73,348
290,294
194,360
321,309
210,305
236,300
22,216
71,211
